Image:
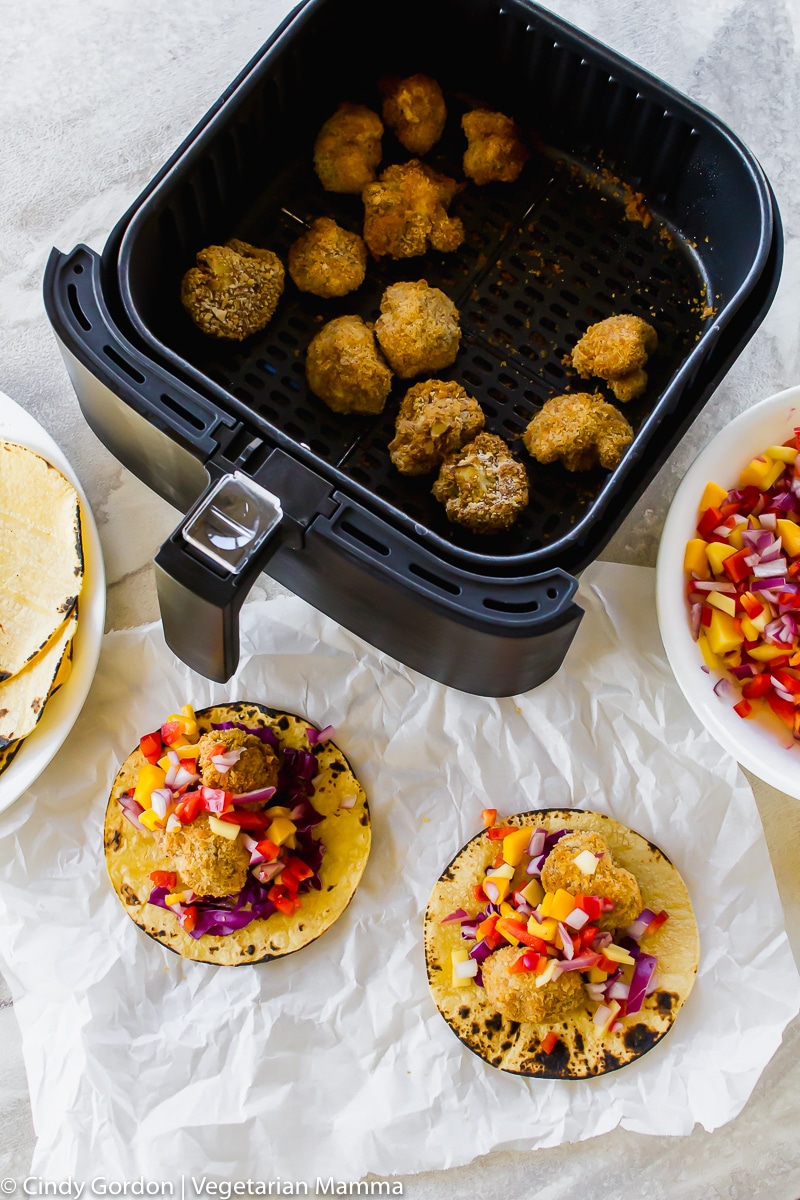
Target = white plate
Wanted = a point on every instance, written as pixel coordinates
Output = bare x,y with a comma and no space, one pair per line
62,710
757,745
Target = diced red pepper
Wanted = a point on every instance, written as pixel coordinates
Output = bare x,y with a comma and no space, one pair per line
171,731
498,859
730,509
710,519
789,682
525,962
520,932
165,879
268,849
498,832
294,873
789,599
489,816
781,661
758,686
219,748
750,498
656,923
743,708
188,918
705,616
151,746
283,899
549,1042
735,567
607,965
591,905
188,809
246,820
479,894
782,708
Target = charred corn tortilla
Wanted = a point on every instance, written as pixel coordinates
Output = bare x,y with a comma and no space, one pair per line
41,555
581,1050
345,833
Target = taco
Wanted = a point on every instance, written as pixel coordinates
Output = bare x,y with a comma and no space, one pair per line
236,834
560,944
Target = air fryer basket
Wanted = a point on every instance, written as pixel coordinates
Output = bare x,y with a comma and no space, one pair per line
543,258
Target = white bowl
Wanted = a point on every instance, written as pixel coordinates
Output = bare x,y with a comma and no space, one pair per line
755,743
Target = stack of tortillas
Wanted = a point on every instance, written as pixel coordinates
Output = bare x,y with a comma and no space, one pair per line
41,574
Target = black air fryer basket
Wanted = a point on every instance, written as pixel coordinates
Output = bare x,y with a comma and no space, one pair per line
270,477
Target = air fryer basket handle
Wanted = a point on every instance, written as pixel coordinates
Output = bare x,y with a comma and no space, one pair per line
206,568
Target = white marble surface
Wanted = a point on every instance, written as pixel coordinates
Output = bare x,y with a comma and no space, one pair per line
94,96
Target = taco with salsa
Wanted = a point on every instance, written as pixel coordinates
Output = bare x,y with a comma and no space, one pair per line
236,834
560,944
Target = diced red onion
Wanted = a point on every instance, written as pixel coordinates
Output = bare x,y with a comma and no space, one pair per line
348,802
536,844
582,962
618,991
641,978
264,872
317,736
171,776
183,778
715,585
491,890
468,931
596,991
576,919
723,687
695,620
768,519
132,808
160,799
465,970
567,948
481,951
257,797
775,567
601,940
172,823
637,927
458,915
174,758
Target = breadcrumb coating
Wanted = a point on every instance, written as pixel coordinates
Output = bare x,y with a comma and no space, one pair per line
609,881
345,368
580,430
206,862
482,486
616,350
415,110
405,212
418,329
495,152
519,999
233,290
435,418
257,767
328,261
348,149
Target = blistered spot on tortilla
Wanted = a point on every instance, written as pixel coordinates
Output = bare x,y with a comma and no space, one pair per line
36,704
665,1001
640,1038
283,723
611,1062
363,820
4,675
494,1023
579,1041
3,712
250,950
67,605
115,841
463,1012
129,894
336,768
475,1028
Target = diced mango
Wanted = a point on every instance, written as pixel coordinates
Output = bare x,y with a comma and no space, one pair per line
533,892
501,927
544,907
735,538
766,653
758,471
734,659
722,634
595,975
723,602
563,904
606,1015
150,819
711,659
461,954
507,910
717,552
547,930
280,829
712,497
618,955
789,534
224,829
515,845
695,560
504,871
750,631
177,898
784,453
149,780
547,974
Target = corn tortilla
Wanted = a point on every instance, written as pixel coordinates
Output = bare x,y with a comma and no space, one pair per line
345,833
581,1051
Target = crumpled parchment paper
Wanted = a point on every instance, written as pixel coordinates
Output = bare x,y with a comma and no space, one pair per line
334,1061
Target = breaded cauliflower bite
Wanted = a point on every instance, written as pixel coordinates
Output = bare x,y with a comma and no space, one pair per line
345,368
495,152
608,881
328,261
405,212
580,430
519,999
348,149
616,350
257,766
206,862
418,329
435,418
233,290
482,486
415,110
